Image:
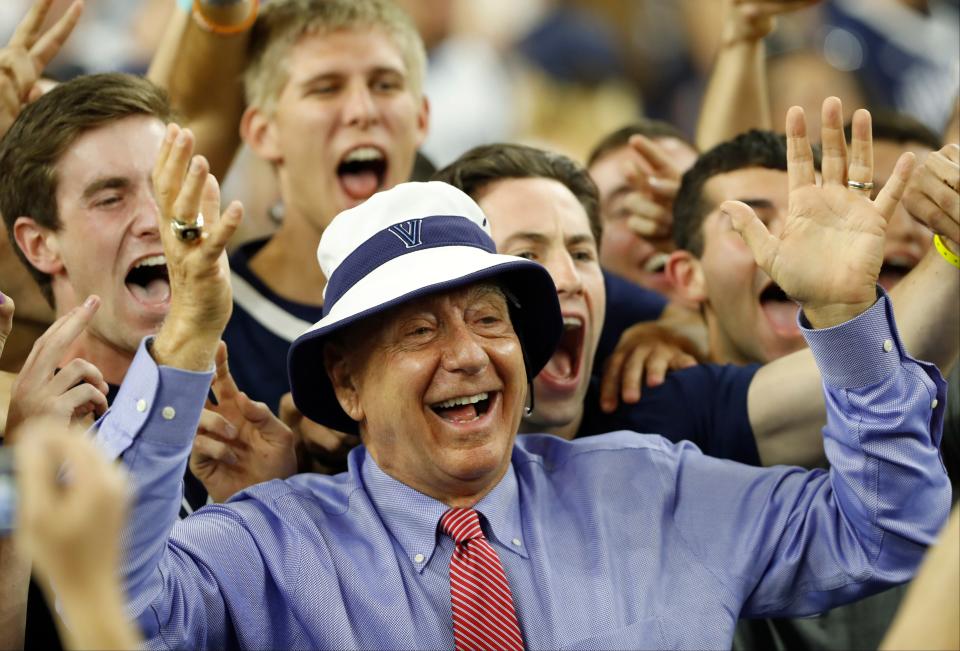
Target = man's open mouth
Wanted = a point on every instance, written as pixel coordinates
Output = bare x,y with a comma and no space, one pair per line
362,172
780,309
464,409
149,281
564,366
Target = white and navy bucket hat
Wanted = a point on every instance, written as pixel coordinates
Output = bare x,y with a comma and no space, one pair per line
412,240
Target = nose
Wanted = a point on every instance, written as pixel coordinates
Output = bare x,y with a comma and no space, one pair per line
462,351
359,108
146,220
564,273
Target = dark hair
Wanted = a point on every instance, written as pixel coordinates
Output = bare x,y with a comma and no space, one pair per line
754,148
486,164
47,128
652,129
901,128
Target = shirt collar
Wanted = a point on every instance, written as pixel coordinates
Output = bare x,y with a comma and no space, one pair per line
412,517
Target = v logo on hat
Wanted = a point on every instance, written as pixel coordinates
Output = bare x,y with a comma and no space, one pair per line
408,232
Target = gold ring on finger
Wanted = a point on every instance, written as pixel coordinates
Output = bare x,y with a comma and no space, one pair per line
866,186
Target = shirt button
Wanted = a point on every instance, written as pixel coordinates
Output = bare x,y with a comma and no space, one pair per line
887,345
168,413
933,405
141,405
516,542
418,558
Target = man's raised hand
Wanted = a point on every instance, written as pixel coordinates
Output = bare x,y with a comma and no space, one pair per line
29,51
201,298
77,390
829,254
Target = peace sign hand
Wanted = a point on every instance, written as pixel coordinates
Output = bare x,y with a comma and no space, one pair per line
27,54
829,254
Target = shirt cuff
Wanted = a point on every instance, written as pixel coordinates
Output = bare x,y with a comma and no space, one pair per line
169,398
861,352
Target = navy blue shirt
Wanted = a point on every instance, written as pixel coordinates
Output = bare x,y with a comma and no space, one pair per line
627,304
704,404
261,329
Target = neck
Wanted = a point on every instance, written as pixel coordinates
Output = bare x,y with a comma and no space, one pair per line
287,263
112,361
566,431
720,349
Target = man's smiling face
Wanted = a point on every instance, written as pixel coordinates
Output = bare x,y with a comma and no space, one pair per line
438,389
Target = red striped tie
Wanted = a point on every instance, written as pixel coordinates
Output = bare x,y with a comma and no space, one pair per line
483,615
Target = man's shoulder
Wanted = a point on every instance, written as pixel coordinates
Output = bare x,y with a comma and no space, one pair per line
307,498
552,451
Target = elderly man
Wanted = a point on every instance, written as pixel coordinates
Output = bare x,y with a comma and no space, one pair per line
448,530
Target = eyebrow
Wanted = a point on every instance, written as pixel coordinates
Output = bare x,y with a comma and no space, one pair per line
764,204
333,74
111,183
540,238
618,192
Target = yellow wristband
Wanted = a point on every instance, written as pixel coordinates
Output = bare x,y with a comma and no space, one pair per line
225,30
947,254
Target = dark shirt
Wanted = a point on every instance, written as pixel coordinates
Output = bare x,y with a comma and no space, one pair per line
627,304
261,329
705,404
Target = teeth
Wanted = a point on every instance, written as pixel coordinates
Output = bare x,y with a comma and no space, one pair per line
465,400
363,154
571,322
152,261
656,262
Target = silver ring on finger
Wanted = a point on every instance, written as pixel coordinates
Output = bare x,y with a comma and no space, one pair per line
188,231
864,186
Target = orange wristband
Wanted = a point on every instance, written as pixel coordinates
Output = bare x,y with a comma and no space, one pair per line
206,23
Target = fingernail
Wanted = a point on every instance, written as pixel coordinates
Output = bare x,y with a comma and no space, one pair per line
2,298
91,301
182,138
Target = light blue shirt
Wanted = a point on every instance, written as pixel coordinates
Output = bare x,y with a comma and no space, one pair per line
614,541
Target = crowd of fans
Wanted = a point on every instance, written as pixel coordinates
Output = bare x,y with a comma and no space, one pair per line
635,324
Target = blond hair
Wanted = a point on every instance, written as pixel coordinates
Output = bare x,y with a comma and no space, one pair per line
282,23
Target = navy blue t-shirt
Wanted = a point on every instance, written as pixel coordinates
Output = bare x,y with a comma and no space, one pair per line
261,329
704,404
627,304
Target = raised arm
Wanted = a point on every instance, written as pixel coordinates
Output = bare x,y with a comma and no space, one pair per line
817,539
927,310
152,422
201,70
736,99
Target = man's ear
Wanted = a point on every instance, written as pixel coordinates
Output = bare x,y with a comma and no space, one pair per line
259,132
423,120
344,384
40,245
685,273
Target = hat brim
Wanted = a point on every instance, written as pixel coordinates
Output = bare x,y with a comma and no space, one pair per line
537,319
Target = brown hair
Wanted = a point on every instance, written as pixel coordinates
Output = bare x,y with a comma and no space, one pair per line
47,128
282,23
484,165
652,129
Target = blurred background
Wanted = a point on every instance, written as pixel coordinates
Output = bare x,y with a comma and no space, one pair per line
563,73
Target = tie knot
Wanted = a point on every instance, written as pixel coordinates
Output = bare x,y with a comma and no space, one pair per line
461,525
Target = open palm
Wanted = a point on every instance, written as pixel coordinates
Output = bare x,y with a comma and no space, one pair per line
829,255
